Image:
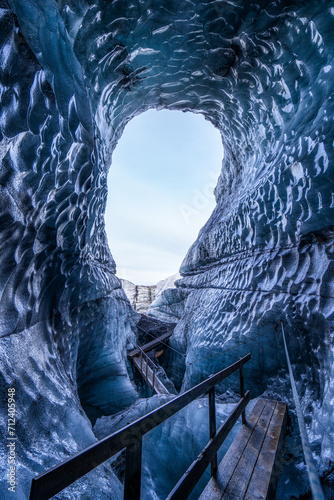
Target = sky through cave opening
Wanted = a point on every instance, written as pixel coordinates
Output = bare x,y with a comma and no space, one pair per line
160,192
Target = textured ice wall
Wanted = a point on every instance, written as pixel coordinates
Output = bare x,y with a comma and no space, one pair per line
259,71
56,270
168,303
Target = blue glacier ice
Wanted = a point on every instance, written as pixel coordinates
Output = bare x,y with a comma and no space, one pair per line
73,74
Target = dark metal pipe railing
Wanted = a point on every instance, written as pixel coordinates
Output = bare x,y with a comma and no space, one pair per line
316,488
59,477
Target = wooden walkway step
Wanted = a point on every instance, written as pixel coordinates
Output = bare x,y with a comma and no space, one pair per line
151,345
249,469
149,375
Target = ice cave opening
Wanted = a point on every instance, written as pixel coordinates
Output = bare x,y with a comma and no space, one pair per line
73,74
160,192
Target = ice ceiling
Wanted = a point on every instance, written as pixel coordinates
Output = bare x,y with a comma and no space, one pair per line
73,73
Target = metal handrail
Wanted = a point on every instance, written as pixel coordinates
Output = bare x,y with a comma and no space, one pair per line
208,455
316,488
51,482
154,367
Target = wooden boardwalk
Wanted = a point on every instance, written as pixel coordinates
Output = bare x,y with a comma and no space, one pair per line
151,345
146,367
152,380
249,469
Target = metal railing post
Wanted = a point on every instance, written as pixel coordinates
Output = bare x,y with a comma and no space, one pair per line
242,391
212,422
132,481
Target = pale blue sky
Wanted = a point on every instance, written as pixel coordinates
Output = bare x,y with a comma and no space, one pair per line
160,192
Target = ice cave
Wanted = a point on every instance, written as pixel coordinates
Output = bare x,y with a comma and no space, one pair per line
73,74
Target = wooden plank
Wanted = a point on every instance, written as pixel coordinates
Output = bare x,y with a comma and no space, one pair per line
278,467
151,345
237,486
216,486
147,372
249,469
190,478
259,487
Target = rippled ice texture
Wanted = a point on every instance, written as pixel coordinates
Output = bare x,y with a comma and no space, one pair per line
72,75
